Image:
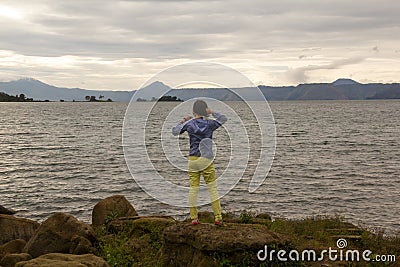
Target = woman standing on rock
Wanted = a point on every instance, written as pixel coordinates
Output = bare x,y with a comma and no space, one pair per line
201,155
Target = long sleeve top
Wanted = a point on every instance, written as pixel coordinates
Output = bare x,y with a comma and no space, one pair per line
200,132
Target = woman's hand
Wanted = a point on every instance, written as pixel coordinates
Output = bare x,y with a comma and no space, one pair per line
185,119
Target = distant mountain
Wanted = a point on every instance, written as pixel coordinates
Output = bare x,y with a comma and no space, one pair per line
316,92
341,89
154,90
38,90
276,93
222,94
392,92
344,81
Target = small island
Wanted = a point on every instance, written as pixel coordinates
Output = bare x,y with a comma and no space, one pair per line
93,98
166,98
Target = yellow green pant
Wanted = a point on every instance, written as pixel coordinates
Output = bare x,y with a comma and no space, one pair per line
198,167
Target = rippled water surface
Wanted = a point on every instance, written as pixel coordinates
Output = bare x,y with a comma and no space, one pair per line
332,157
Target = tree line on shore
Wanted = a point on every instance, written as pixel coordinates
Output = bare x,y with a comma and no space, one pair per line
22,98
17,98
166,98
93,98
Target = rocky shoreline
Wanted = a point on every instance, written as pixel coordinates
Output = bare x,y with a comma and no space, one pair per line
118,236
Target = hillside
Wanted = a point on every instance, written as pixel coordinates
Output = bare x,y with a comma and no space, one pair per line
391,92
342,89
38,90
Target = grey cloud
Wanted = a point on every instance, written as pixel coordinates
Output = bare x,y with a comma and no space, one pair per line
182,28
66,31
299,75
312,49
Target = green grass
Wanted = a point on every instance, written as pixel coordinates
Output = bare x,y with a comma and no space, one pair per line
131,244
111,217
112,248
246,217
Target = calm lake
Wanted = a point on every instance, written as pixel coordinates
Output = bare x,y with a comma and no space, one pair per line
332,158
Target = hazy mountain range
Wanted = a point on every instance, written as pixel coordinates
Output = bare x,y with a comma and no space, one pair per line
341,89
38,90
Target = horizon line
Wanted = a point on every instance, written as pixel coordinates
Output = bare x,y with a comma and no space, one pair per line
127,90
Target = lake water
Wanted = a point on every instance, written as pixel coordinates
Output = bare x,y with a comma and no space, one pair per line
332,157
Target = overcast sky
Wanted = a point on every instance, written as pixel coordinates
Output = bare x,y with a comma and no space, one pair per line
120,44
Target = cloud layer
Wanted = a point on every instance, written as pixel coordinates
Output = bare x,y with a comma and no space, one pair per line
120,44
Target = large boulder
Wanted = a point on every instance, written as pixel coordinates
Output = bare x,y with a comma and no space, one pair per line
65,260
4,210
10,260
61,233
12,228
111,208
208,245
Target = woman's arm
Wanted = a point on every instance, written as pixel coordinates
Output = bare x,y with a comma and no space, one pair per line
220,118
180,127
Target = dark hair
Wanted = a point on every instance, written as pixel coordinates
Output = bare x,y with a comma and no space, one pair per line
199,107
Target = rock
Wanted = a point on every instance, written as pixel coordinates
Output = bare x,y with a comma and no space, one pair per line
65,260
14,246
11,259
12,228
61,233
4,210
115,207
205,216
81,245
207,245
